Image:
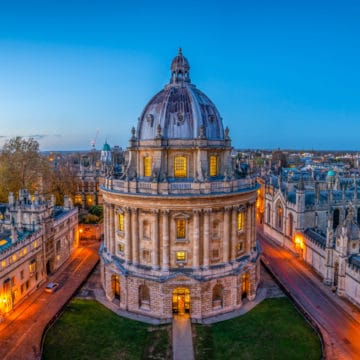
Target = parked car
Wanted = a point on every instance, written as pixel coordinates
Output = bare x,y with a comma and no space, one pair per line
52,287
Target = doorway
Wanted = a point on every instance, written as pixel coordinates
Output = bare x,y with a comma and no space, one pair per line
181,301
115,286
245,284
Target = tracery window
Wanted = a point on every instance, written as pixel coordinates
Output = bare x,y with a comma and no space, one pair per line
279,216
180,166
147,166
213,165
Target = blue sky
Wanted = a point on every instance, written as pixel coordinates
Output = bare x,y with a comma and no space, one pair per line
282,73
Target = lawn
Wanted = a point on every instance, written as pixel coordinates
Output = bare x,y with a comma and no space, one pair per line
88,330
272,330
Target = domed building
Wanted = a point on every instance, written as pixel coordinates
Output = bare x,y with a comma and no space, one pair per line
180,221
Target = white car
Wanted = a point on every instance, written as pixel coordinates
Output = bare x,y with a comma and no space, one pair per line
52,287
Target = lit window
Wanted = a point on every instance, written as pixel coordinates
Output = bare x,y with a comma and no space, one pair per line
240,221
3,264
32,266
147,166
213,165
121,247
89,200
239,247
181,229
180,166
78,199
181,256
121,222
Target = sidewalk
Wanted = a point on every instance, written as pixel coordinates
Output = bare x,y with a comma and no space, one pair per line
21,331
182,344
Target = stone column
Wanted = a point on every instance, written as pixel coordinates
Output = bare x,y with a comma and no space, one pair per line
156,249
206,238
248,223
135,235
233,232
166,240
227,227
127,230
196,239
106,228
112,229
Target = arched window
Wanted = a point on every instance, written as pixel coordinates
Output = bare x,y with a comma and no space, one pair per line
268,214
279,216
144,297
213,165
291,225
336,218
180,229
241,220
180,166
358,216
121,222
147,166
217,296
115,285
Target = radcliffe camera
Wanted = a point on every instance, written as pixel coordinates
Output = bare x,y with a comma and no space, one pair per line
179,181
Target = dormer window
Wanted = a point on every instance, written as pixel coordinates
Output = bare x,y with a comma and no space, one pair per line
180,166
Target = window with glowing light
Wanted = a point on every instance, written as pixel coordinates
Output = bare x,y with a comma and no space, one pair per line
181,256
121,222
180,166
121,248
147,166
180,229
78,199
279,216
213,165
241,220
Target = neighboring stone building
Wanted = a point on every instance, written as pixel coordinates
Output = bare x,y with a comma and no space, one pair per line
36,238
319,219
180,223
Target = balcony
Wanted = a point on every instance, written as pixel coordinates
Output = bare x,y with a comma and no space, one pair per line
184,187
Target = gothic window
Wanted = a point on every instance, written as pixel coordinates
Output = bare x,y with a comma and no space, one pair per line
147,166
268,214
240,220
291,225
180,166
213,165
180,229
279,216
217,296
336,218
121,222
144,297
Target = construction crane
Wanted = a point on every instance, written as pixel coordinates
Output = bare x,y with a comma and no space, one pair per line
93,141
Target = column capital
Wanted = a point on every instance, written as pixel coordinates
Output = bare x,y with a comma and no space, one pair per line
165,212
155,211
134,210
228,208
196,211
207,211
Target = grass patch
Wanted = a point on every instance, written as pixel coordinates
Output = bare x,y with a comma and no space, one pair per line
88,330
272,330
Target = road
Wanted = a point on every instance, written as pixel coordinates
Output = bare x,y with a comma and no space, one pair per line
21,332
338,320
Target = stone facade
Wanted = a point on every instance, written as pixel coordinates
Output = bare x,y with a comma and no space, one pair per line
179,224
36,238
319,220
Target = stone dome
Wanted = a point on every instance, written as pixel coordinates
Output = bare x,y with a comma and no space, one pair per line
181,110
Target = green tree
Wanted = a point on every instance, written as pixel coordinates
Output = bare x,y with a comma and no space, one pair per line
23,167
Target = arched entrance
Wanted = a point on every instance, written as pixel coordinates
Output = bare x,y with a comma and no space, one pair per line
181,301
115,286
245,285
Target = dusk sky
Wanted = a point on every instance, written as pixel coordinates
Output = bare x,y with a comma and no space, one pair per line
281,73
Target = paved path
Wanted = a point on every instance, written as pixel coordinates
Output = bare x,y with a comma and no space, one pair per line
21,331
182,338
